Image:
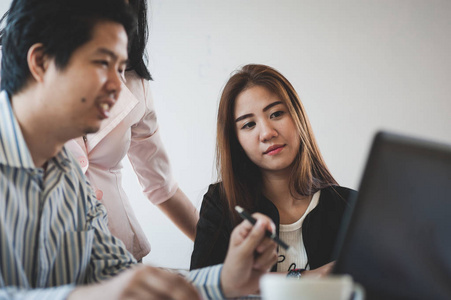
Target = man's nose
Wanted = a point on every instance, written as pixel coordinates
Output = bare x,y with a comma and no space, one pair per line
114,83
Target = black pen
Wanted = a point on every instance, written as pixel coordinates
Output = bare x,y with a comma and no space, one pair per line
246,216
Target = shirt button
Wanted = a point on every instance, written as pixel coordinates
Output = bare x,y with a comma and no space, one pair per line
99,195
83,161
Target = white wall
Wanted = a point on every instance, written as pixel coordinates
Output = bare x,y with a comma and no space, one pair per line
358,66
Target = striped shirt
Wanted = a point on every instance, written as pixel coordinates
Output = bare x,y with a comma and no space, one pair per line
53,231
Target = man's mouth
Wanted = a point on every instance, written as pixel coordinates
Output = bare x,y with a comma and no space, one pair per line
104,109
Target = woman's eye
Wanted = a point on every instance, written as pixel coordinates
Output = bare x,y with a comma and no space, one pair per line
277,114
248,125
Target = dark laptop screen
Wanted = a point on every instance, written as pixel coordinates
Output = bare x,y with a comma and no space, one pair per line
396,239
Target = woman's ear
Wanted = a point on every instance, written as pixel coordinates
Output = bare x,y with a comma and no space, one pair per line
38,61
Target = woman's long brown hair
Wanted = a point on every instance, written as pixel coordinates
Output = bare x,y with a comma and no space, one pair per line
241,179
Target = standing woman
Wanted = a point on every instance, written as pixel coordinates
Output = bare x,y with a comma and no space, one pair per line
268,162
132,129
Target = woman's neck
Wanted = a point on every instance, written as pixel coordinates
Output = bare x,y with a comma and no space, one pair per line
276,187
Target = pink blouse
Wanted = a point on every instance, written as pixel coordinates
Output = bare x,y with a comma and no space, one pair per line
131,129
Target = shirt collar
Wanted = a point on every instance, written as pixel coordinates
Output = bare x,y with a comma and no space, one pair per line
62,160
13,148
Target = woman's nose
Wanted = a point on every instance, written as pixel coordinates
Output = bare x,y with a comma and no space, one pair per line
267,132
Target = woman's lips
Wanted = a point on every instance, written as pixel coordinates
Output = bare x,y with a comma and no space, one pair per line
273,150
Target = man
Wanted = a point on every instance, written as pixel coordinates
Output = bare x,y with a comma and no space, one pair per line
61,74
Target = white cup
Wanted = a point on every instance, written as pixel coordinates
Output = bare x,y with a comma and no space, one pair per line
334,287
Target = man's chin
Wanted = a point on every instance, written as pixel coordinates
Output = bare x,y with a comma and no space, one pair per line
89,130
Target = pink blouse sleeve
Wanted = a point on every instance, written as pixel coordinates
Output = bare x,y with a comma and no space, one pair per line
147,154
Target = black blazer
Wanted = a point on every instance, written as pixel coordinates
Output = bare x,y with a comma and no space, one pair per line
319,230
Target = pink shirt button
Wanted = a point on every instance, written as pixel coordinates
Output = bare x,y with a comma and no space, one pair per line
83,161
99,195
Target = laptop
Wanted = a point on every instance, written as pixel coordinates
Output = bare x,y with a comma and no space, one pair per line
396,237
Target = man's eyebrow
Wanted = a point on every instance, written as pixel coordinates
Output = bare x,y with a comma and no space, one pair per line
109,53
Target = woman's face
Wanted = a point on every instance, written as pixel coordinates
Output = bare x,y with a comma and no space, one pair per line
265,129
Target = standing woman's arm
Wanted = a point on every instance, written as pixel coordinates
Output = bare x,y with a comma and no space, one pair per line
182,213
151,163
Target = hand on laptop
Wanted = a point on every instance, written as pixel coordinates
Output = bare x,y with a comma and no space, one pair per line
250,255
139,282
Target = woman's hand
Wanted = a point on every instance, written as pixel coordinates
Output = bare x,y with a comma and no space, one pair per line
319,272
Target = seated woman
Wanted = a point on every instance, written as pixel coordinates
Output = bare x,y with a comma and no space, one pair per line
268,162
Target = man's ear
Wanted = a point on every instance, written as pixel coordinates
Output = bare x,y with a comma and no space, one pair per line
38,61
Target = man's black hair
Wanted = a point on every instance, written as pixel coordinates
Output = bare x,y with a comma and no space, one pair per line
60,25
